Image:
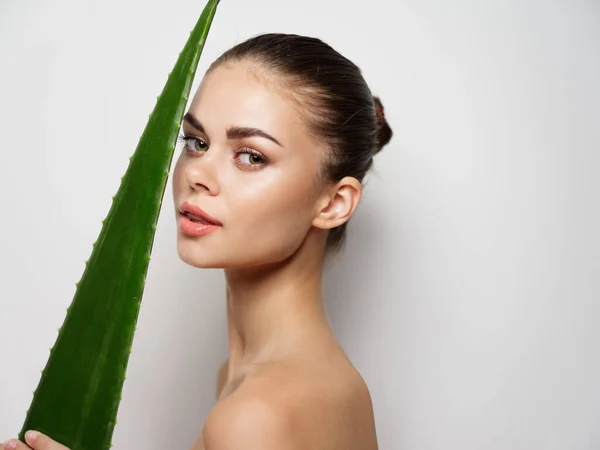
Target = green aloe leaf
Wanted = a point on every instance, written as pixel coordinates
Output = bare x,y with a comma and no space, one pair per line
79,392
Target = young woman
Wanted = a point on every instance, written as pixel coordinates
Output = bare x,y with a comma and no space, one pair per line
277,141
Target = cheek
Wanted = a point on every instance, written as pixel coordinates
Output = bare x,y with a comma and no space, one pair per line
275,219
281,209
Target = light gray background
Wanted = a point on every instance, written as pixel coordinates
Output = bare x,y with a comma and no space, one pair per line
468,295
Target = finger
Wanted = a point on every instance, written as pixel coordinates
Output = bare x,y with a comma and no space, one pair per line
39,441
14,444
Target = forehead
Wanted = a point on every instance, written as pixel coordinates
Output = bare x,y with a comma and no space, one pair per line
237,95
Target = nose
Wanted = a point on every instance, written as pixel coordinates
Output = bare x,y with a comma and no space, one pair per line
201,174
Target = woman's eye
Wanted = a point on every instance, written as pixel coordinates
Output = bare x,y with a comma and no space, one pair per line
251,159
195,144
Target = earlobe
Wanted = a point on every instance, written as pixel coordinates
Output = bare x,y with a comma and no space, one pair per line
338,204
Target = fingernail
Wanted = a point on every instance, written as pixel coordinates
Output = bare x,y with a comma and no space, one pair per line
10,445
31,436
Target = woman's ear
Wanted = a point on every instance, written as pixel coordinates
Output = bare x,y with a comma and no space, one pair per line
337,204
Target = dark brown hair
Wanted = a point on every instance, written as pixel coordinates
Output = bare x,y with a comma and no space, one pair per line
337,103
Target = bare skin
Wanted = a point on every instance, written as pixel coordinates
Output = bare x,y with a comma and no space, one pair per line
308,385
288,383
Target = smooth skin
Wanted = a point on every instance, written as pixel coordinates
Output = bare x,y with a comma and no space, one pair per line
288,384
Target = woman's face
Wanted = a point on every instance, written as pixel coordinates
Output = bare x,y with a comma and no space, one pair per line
251,165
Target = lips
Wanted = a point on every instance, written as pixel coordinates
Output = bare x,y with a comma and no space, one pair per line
195,223
197,215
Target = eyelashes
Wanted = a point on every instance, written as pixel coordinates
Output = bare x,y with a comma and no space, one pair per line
184,138
246,157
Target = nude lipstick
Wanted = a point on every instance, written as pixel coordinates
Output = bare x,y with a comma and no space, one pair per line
195,222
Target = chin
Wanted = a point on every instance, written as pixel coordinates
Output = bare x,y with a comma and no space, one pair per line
195,254
204,253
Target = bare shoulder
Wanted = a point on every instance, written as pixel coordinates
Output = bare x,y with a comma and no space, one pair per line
294,405
249,419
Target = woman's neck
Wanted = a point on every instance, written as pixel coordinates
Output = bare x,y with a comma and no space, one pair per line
273,309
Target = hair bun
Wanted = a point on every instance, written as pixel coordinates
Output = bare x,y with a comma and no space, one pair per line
384,132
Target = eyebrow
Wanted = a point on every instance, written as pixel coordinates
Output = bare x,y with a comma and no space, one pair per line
233,132
189,118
